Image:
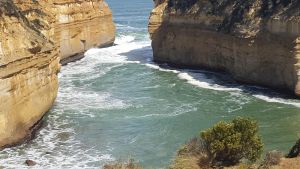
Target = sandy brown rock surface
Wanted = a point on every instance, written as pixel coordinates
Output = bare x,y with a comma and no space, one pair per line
73,25
29,64
256,41
81,25
35,36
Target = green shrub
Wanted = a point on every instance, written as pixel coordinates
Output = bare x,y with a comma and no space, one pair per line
228,143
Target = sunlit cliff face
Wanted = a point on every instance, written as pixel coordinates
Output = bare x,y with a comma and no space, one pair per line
28,74
35,36
256,41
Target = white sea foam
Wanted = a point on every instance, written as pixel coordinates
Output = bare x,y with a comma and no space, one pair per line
55,147
124,39
116,54
278,100
154,66
73,98
59,136
204,82
198,79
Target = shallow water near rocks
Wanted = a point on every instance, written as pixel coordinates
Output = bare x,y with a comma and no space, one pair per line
117,104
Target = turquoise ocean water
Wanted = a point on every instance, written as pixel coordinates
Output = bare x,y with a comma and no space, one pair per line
117,104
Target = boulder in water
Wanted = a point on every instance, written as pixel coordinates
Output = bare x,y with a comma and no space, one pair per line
30,163
295,151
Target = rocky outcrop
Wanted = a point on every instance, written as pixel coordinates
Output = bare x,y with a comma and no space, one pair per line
295,151
74,25
80,25
35,36
256,41
29,64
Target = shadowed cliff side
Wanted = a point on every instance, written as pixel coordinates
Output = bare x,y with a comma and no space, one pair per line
256,41
29,64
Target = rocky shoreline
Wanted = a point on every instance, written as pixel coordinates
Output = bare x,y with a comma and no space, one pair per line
36,38
255,41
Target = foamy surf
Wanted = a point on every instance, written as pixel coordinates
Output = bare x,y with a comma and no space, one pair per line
124,39
117,53
154,66
86,110
278,100
198,79
55,147
204,82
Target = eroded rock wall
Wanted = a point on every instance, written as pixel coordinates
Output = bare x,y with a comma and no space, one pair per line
29,64
256,41
35,37
82,24
74,25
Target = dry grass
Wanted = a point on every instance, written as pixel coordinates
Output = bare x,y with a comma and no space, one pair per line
288,163
192,155
123,165
186,162
272,158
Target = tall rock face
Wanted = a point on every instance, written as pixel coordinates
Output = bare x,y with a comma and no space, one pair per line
74,25
82,24
29,64
257,41
35,37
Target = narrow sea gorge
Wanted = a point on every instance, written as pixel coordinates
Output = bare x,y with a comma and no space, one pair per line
117,104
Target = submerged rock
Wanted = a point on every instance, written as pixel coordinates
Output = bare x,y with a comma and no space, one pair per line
30,163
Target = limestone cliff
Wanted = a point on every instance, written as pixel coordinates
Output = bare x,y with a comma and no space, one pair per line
82,24
74,25
29,64
34,37
257,41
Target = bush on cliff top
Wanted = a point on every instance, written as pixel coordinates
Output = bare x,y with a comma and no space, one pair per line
228,143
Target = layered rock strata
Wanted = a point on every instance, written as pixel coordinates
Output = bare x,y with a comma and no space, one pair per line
35,37
29,64
74,25
256,41
80,25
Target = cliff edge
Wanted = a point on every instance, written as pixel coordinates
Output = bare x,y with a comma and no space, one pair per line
257,41
29,64
73,25
36,37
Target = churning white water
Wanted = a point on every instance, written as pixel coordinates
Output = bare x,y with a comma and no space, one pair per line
116,103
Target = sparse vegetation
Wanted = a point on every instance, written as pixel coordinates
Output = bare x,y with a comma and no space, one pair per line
123,165
231,145
192,155
272,158
225,144
181,5
228,143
